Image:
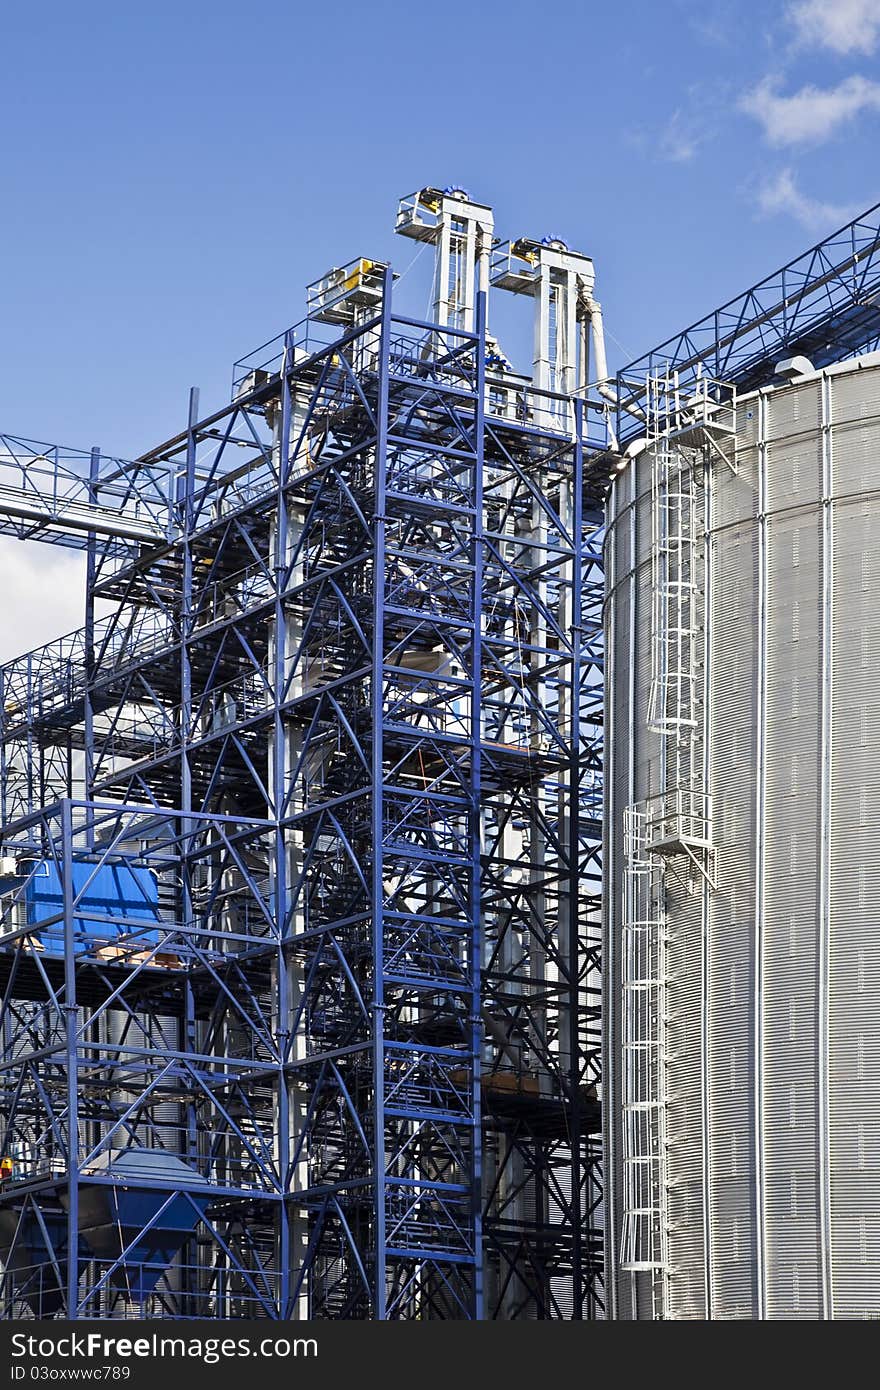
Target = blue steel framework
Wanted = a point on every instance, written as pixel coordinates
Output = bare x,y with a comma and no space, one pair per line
824,305
116,1033
346,710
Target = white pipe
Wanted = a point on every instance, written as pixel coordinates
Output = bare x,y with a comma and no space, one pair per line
597,333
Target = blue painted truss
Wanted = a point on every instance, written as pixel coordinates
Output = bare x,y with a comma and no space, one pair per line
824,305
346,711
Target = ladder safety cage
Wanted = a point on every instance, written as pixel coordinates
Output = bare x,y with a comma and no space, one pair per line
643,972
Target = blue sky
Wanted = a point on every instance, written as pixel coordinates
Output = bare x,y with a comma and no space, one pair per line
174,174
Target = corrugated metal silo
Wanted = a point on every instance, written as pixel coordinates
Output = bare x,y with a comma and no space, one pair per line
743,938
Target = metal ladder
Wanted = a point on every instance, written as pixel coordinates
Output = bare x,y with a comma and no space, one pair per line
674,512
643,1243
671,832
685,436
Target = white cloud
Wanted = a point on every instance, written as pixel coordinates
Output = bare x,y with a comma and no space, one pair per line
693,123
812,114
679,139
44,595
844,26
782,195
712,21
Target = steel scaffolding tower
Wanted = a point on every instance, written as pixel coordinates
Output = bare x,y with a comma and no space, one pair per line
299,887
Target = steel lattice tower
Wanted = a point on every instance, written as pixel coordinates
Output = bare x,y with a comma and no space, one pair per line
300,909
